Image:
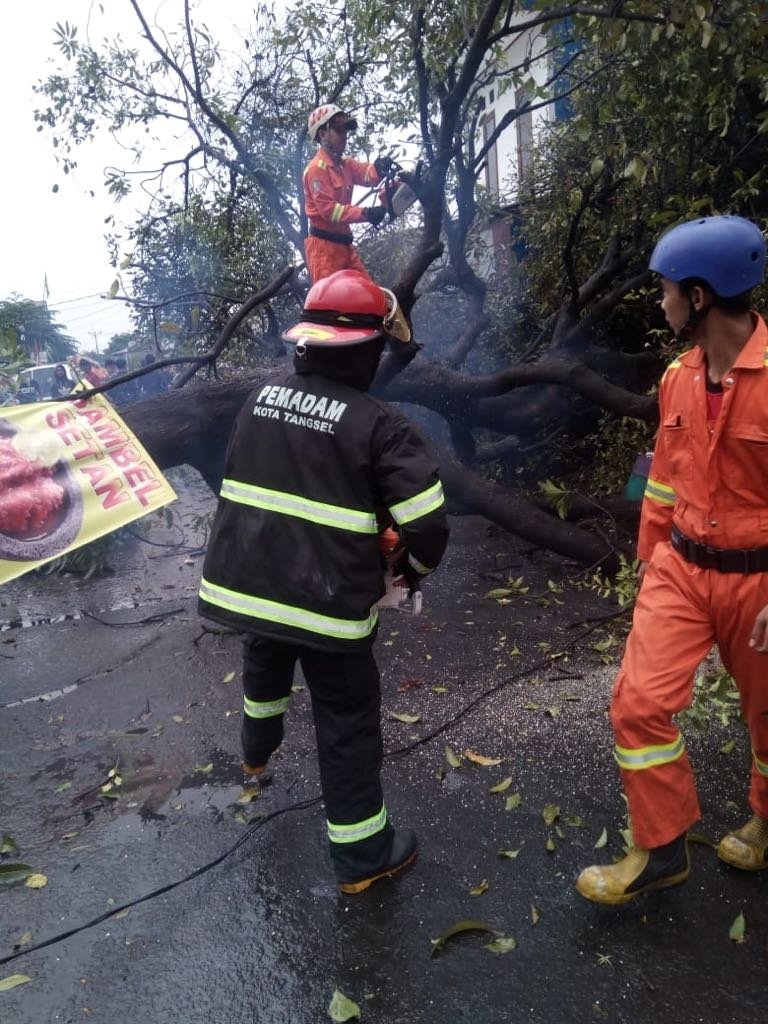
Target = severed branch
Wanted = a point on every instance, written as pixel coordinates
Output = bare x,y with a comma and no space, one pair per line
194,362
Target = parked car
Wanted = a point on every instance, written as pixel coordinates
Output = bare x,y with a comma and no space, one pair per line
36,383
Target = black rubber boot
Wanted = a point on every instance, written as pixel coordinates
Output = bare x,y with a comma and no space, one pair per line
401,854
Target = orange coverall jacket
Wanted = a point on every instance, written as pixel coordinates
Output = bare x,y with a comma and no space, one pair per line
711,481
328,201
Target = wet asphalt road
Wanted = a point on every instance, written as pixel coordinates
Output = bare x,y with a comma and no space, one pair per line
130,679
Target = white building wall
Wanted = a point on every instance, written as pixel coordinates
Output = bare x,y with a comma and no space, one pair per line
511,154
509,159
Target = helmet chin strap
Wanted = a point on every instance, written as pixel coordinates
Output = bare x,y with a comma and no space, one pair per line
695,317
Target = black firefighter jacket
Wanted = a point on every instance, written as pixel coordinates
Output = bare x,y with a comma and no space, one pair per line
293,554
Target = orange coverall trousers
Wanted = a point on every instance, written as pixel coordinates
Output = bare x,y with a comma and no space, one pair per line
325,258
681,611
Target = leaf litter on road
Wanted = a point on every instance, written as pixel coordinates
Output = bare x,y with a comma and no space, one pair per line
12,981
342,1008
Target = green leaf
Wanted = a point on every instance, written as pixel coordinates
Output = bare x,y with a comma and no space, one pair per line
114,288
500,592
12,981
728,748
504,944
550,814
63,787
602,840
23,941
10,873
500,787
738,929
400,716
452,757
551,845
480,888
228,677
342,1008
8,845
535,914
509,854
513,802
460,928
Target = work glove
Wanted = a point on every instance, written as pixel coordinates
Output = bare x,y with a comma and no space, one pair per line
402,567
374,214
383,165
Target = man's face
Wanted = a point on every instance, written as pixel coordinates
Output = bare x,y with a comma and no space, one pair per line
675,305
337,134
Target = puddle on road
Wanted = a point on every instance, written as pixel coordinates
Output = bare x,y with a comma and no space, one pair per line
154,794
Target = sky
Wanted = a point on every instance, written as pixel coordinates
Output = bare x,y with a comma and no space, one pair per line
60,237
55,236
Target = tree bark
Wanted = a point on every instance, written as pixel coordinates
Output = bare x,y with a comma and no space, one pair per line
192,426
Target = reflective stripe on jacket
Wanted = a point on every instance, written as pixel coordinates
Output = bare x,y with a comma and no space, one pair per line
714,489
328,191
294,552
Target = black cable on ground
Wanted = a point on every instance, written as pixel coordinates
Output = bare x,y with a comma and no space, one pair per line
303,805
300,806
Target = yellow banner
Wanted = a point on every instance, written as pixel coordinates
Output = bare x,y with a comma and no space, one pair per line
69,472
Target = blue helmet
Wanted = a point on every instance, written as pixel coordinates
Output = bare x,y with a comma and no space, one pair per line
727,252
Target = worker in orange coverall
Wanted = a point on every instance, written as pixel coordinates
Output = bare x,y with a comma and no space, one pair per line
329,179
703,546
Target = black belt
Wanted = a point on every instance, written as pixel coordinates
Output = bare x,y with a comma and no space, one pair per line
331,236
744,560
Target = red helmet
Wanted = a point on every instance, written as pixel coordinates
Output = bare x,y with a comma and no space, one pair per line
347,308
322,115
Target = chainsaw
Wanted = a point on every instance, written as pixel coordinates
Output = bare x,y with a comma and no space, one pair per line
402,593
397,194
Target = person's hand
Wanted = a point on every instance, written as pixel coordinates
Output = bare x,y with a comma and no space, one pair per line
374,214
402,567
759,636
383,165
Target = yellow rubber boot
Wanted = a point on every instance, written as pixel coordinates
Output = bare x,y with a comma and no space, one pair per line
747,848
640,871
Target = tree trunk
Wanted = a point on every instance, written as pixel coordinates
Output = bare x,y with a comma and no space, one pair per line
192,426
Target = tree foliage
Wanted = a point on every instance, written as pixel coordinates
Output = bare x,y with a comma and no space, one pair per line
668,120
31,333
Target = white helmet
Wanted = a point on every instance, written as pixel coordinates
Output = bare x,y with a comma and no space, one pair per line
322,115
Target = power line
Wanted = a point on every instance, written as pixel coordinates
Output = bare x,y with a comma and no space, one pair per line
66,302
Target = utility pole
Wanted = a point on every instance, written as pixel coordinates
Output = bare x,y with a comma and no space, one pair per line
96,335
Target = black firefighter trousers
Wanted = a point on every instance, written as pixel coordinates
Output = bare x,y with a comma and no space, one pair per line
346,705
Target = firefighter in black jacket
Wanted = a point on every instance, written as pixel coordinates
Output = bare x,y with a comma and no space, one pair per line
294,559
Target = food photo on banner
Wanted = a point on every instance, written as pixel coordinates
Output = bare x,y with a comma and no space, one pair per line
69,473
